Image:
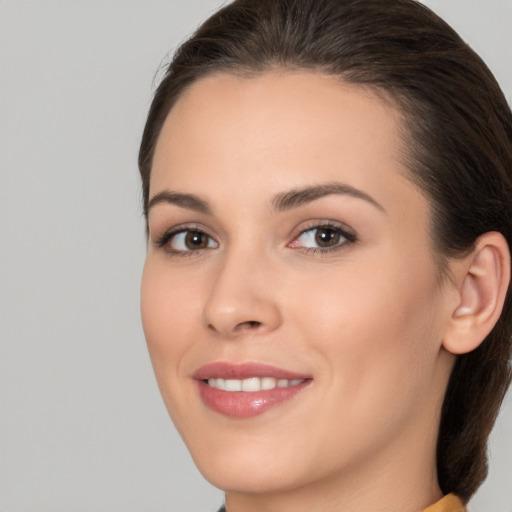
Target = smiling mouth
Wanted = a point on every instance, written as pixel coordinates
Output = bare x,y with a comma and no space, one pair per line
252,384
249,389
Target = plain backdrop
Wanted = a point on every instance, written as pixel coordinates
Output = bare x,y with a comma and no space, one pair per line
82,426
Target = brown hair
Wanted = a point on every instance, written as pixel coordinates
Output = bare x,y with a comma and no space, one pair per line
459,140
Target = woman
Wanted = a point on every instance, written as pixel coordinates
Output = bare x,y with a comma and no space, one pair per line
326,295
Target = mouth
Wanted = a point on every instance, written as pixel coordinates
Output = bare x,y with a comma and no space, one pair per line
252,384
247,390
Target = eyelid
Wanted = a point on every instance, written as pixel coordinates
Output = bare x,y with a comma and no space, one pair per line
348,233
163,239
324,223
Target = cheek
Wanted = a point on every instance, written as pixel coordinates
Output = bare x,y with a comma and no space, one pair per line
168,310
377,323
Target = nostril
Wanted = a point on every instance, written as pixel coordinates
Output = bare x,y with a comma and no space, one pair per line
248,325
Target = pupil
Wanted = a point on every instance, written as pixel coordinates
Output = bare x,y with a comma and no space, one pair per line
327,237
196,240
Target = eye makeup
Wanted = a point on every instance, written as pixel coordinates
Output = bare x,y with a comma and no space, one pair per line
316,237
323,237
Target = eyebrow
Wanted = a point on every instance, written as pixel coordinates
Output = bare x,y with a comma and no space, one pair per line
302,196
284,201
188,201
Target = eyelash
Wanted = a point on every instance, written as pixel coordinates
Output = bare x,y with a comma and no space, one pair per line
163,241
349,237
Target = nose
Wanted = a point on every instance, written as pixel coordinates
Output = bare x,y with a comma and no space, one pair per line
242,298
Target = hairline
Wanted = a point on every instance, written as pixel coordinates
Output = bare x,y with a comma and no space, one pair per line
401,103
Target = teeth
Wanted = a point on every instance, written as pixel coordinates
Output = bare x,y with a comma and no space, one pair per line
252,384
233,385
267,383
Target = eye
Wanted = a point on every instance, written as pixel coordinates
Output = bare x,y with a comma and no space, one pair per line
323,238
186,240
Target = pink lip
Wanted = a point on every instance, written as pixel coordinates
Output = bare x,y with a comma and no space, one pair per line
224,370
241,404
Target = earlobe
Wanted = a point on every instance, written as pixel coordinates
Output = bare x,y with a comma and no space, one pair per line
482,288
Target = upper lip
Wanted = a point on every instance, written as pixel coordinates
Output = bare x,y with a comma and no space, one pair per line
226,370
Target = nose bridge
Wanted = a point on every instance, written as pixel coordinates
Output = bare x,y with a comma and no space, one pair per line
241,297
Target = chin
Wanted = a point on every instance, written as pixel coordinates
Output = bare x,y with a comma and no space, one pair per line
246,481
247,471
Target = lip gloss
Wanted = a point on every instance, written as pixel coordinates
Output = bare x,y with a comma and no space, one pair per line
246,390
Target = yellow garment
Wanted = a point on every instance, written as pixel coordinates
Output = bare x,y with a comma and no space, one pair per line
449,503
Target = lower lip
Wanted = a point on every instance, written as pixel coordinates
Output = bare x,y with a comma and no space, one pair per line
245,404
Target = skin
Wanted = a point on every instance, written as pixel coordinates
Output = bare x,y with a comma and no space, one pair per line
366,320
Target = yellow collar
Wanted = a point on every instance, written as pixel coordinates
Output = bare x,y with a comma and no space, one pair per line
449,503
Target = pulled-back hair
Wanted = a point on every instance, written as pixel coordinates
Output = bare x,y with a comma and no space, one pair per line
458,134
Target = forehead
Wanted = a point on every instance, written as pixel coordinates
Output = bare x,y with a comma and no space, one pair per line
299,102
279,130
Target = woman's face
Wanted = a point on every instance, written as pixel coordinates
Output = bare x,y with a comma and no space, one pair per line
290,257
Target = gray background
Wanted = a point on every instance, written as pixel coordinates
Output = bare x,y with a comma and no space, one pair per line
82,426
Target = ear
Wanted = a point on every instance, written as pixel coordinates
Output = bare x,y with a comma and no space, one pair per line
482,280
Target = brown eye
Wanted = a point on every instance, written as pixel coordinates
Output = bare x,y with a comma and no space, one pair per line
196,240
323,238
327,237
188,240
